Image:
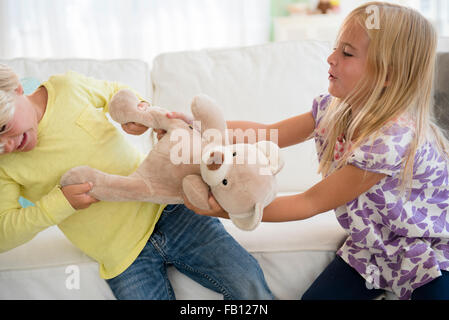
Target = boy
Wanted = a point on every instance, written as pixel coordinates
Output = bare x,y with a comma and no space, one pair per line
62,125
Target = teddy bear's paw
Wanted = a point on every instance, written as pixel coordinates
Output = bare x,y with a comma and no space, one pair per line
122,105
196,191
78,175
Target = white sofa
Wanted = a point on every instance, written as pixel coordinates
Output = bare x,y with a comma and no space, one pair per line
264,83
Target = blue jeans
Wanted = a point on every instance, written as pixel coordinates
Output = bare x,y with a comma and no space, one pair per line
339,281
197,246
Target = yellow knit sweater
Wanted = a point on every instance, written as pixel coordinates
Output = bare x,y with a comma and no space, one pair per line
75,131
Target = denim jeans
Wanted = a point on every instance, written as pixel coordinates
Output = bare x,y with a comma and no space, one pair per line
197,246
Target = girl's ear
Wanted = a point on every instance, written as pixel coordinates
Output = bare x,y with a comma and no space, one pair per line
19,90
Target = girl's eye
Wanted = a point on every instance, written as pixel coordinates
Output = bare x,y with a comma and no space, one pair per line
3,128
347,54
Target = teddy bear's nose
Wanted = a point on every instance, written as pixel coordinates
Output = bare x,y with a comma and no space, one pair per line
215,160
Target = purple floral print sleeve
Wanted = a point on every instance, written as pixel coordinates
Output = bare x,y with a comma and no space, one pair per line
396,241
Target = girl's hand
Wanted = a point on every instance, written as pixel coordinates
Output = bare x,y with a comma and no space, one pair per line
180,115
174,115
134,127
76,195
215,211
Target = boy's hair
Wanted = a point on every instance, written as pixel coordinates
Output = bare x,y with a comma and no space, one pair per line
401,54
8,84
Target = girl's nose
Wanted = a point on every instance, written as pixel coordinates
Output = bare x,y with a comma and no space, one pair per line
332,59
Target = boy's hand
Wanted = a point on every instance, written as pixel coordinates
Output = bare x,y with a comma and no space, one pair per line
76,195
134,127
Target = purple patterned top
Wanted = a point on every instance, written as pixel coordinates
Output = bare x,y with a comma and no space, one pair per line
395,243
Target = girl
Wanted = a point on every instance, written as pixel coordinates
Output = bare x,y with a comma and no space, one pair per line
384,161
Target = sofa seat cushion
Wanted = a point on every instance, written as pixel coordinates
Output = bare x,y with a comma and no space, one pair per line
320,233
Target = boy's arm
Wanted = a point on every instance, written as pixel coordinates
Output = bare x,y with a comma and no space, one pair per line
290,131
337,189
102,91
19,225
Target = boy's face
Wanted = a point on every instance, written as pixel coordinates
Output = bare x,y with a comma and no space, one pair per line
20,133
347,62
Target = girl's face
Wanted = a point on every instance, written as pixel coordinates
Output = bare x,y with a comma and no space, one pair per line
347,62
20,133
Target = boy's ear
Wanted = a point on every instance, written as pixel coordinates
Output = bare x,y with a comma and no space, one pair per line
19,89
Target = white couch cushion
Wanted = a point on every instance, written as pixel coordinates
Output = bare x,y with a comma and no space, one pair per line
264,83
51,248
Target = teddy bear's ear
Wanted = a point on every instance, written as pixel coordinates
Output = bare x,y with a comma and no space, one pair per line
273,154
248,221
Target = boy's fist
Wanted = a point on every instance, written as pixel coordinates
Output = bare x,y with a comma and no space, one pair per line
76,195
134,127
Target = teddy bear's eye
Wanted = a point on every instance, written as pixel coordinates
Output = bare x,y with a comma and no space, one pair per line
225,182
234,154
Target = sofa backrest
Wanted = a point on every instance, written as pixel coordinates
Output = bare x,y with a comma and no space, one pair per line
441,91
263,83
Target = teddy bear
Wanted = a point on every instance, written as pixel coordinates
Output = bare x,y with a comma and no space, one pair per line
190,160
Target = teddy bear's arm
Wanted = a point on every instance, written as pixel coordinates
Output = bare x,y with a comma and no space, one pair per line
196,191
109,187
211,118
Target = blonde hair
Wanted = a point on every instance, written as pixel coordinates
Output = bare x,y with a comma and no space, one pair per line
401,54
8,84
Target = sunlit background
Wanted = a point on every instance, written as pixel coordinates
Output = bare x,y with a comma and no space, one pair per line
115,29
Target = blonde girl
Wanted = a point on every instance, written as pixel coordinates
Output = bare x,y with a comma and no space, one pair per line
383,159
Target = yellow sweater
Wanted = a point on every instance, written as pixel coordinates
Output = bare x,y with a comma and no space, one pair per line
75,131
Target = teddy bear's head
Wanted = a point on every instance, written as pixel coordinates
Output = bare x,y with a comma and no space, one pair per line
242,179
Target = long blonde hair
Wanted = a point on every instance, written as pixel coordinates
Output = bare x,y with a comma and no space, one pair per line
401,53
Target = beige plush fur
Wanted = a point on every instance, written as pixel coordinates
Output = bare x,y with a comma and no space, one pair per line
241,176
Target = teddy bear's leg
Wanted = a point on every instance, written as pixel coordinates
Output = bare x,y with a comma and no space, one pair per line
124,108
109,187
196,191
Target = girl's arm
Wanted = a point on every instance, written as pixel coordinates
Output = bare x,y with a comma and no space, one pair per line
289,131
335,190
